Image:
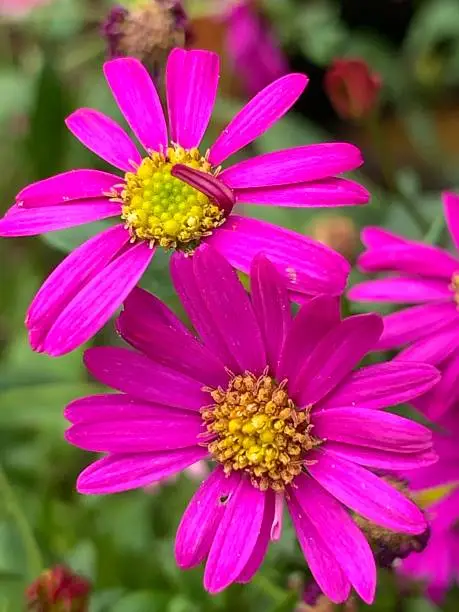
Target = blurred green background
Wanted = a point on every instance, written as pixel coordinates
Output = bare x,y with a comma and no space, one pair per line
50,64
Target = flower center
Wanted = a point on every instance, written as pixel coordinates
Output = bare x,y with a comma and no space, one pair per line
454,286
163,209
258,429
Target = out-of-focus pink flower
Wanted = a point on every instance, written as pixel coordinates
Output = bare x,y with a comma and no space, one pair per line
58,589
438,565
427,276
18,8
256,55
352,87
154,208
312,441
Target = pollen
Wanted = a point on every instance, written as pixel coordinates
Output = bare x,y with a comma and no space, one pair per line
164,210
454,286
255,427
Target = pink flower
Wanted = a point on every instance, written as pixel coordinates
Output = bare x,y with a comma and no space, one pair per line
352,87
427,276
19,7
275,401
438,565
156,209
255,53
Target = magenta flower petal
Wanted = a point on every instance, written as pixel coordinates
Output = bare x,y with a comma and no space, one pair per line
350,547
192,81
257,116
138,434
261,547
297,165
329,192
313,321
444,395
116,473
416,322
382,459
115,406
308,266
230,309
432,349
184,280
104,137
366,493
383,385
20,221
401,290
374,237
373,428
141,303
202,517
236,537
451,210
138,100
69,277
271,305
91,308
321,561
66,187
414,258
335,355
135,374
170,346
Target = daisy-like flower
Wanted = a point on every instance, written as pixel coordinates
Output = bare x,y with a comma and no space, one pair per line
275,402
156,209
438,565
428,277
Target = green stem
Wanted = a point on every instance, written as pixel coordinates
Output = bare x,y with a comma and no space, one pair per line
435,233
273,591
34,558
388,170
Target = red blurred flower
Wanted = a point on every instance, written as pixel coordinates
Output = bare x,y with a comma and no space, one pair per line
58,589
352,87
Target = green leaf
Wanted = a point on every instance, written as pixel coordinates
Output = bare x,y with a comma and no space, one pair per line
39,406
16,89
142,601
83,559
420,604
69,239
47,137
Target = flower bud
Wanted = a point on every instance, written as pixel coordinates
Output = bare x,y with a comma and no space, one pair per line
146,29
352,87
58,589
389,546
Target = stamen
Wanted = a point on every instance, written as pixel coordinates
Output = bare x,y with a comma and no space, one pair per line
164,210
257,428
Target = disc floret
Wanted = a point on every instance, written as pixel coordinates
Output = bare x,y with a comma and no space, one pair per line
164,210
257,428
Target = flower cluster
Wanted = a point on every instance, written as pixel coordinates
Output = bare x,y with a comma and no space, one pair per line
272,396
425,277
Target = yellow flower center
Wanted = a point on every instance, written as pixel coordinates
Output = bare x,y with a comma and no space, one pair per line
454,286
258,429
163,209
